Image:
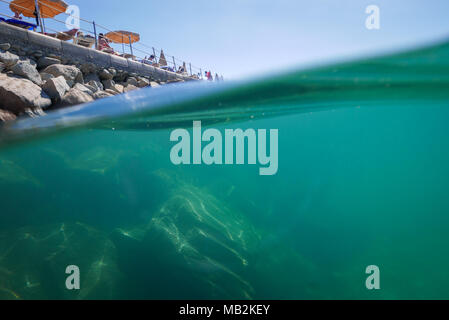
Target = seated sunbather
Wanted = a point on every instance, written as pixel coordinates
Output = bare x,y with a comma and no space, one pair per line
64,35
103,44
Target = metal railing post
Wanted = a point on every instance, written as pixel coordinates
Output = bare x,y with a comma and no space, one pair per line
154,54
190,65
174,63
95,34
131,47
201,73
38,15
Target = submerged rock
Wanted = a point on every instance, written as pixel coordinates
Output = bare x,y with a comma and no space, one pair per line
194,243
17,95
33,261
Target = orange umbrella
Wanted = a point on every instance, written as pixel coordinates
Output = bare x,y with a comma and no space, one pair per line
47,8
123,36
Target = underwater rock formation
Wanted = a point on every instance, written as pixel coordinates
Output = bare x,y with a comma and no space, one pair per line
33,261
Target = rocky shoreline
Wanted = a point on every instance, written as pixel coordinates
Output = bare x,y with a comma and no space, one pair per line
32,82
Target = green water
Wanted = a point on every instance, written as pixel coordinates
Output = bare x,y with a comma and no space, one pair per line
363,180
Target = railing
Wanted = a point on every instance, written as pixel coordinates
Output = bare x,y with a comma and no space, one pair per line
138,51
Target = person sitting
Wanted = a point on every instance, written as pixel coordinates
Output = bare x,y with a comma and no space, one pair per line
17,16
103,44
181,69
149,60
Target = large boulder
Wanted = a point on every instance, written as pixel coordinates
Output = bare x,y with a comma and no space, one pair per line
105,75
83,88
74,97
111,92
45,62
70,73
108,84
88,68
56,88
91,88
129,88
6,116
2,66
8,58
17,95
142,82
132,81
46,76
25,68
154,84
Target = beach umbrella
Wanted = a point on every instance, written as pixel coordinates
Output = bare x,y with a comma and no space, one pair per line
123,37
45,8
162,60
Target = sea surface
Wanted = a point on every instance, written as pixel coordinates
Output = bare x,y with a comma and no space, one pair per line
363,180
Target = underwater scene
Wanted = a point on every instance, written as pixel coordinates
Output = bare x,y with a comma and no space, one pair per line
362,179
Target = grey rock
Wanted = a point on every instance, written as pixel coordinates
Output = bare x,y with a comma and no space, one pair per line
46,76
154,84
17,95
74,97
91,77
5,46
70,73
132,81
88,68
83,88
102,94
96,84
56,88
112,71
143,83
105,75
2,66
112,92
6,116
8,58
130,87
108,84
45,62
25,69
91,88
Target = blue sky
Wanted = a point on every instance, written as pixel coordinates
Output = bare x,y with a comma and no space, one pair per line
239,38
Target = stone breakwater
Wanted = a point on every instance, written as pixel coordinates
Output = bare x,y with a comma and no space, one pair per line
38,75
